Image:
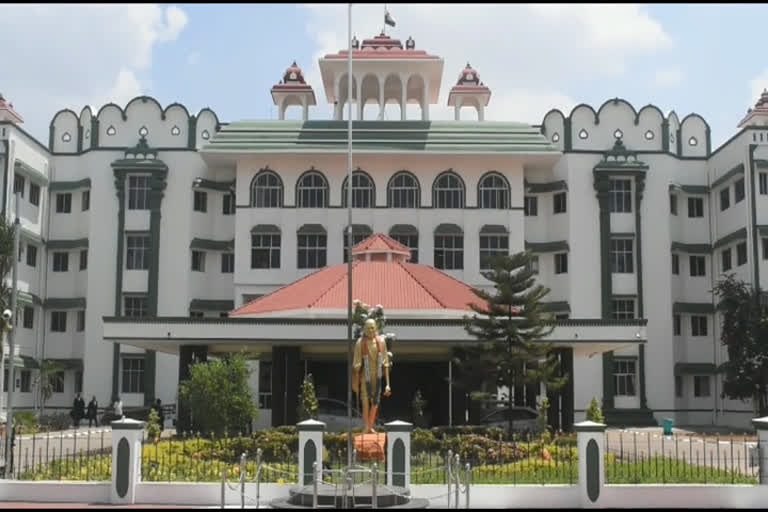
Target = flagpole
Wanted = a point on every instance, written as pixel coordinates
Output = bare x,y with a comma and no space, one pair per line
349,237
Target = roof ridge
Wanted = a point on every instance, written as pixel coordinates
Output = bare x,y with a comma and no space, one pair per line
257,299
402,264
328,289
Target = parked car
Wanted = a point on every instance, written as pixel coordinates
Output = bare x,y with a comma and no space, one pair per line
524,419
333,413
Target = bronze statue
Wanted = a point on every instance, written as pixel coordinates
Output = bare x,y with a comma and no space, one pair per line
371,360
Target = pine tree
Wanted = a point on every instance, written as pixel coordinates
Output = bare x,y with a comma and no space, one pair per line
509,326
594,412
308,405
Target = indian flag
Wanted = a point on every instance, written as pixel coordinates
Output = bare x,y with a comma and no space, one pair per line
388,19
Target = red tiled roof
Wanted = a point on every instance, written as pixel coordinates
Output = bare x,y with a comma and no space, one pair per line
394,284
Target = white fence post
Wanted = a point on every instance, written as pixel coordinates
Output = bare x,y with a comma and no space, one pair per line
761,425
126,460
591,442
399,454
310,449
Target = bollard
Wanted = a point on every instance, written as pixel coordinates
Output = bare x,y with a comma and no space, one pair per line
126,460
258,476
375,477
468,479
458,480
761,425
314,484
310,448
223,486
591,443
242,479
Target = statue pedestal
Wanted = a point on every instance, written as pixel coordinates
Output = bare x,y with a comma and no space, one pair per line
370,447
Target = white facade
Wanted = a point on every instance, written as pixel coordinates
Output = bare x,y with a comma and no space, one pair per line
676,153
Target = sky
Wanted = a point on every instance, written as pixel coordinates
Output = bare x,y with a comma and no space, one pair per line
702,58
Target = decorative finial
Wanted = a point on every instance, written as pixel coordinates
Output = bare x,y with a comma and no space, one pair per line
294,64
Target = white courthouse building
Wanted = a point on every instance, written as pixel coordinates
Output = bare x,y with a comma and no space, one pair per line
152,236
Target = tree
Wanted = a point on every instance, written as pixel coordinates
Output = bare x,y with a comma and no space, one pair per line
6,262
308,405
362,312
510,326
44,381
218,395
594,412
744,333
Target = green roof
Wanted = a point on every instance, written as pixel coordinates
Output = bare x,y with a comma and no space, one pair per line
380,137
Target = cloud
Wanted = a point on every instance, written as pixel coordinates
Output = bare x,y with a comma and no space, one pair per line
668,77
529,55
73,55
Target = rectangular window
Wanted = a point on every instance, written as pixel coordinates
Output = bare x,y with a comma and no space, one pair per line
725,198
78,381
411,242
135,306
57,381
200,201
533,265
491,246
701,386
137,252
84,259
620,196
623,309
133,375
64,202
678,386
138,192
29,317
698,325
531,206
695,207
725,259
60,261
228,207
622,261
58,321
26,381
675,264
561,263
34,194
18,184
677,326
80,321
312,251
198,261
673,204
227,262
85,200
265,250
624,375
741,253
697,266
738,191
763,178
195,314
560,204
31,255
449,252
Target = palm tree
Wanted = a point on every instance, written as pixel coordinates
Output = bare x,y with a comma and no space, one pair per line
44,383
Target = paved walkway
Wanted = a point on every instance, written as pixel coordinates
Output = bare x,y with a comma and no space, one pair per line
17,504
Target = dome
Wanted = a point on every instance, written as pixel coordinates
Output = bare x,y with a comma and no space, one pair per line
468,76
293,74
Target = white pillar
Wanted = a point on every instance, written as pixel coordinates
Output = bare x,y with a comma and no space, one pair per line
399,454
480,113
310,448
761,425
281,109
305,108
425,102
126,460
590,440
359,99
381,99
456,108
403,96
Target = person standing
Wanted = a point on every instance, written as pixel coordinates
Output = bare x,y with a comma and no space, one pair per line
93,409
78,410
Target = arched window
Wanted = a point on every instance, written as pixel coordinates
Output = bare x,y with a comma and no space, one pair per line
312,190
493,191
408,236
266,190
403,191
363,191
448,191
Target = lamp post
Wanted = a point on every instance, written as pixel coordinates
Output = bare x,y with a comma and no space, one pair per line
349,236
